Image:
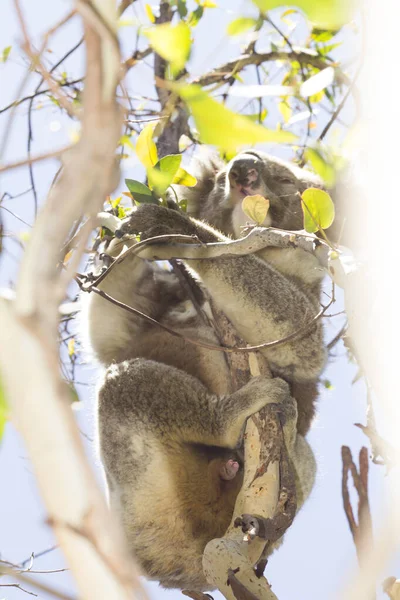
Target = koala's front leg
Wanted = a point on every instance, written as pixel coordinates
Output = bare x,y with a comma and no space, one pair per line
263,305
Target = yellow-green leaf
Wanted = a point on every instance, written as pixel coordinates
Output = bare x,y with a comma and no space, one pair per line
146,149
285,110
149,13
126,141
318,209
71,347
164,172
240,25
220,126
74,396
172,42
289,11
256,207
257,117
325,14
182,177
114,203
5,54
321,167
4,412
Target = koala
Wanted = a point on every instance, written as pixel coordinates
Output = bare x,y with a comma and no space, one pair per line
170,426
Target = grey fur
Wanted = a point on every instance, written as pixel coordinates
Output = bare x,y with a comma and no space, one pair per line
167,417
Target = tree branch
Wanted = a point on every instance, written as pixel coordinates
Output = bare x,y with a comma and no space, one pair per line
238,64
98,560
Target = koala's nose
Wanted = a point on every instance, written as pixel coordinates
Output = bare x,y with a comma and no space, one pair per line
244,171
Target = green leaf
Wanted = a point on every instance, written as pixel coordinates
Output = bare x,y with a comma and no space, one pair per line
318,210
241,25
183,204
195,16
321,167
325,14
74,396
140,192
146,149
256,207
162,175
171,42
182,8
221,126
327,384
4,411
321,35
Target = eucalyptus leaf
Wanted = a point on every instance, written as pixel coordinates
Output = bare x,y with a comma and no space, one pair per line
4,411
140,192
318,209
256,207
171,42
324,14
145,148
321,166
220,126
241,25
182,177
162,175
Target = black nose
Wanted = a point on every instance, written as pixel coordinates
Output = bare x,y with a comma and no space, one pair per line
245,170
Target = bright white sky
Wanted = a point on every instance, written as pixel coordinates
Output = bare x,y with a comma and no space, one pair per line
318,553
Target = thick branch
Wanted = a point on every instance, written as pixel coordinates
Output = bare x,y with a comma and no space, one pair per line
98,559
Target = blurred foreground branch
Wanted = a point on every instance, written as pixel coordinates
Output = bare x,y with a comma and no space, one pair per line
93,544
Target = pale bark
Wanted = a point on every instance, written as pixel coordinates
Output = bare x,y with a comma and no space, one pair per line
92,543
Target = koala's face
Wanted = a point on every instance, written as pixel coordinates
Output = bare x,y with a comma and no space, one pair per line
253,172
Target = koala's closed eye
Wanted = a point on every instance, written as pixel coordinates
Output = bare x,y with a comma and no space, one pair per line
286,180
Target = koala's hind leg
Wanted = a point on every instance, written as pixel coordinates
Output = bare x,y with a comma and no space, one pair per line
142,395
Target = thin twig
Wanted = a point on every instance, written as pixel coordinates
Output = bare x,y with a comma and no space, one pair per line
31,581
295,334
361,531
39,93
34,159
339,108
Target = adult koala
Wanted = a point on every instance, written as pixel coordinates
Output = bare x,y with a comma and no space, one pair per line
170,426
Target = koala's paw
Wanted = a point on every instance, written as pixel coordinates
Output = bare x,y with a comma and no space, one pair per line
277,391
151,220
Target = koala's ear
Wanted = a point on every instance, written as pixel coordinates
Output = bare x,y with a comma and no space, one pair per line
205,167
307,180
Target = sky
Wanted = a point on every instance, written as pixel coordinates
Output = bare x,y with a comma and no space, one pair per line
318,554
